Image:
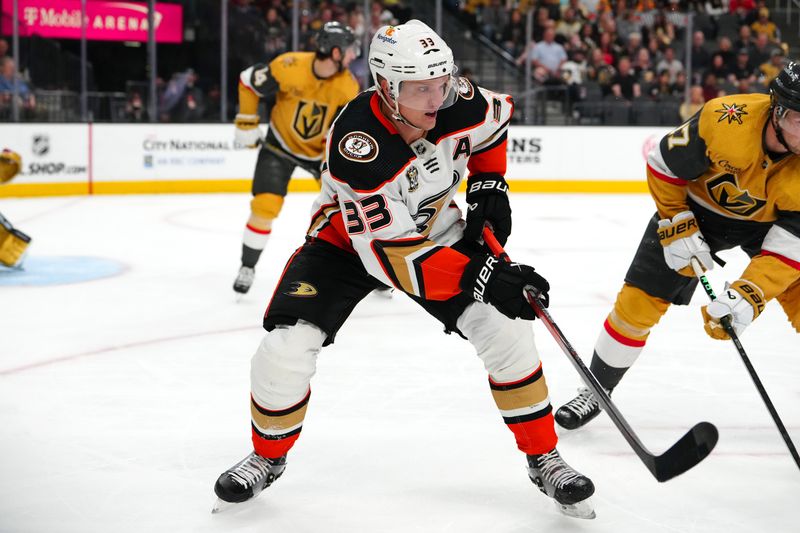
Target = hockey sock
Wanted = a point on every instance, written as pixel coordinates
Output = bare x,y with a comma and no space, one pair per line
254,241
275,431
625,333
525,407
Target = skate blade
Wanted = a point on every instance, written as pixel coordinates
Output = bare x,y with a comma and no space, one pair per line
582,509
221,505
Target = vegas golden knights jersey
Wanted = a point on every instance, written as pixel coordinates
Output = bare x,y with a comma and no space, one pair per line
719,161
302,106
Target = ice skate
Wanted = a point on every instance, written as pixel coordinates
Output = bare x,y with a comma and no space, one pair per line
578,411
245,480
244,279
569,489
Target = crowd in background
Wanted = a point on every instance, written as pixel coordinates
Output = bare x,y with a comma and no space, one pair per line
599,50
636,49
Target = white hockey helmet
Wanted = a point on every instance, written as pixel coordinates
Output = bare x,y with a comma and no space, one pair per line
412,52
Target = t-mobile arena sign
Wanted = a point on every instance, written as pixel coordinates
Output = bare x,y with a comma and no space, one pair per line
105,21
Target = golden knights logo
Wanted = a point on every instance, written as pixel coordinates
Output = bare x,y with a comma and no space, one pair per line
309,119
731,112
725,191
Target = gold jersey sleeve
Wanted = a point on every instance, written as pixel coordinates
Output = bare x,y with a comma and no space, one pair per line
719,160
306,105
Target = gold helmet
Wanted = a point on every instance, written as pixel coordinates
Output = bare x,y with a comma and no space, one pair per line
10,163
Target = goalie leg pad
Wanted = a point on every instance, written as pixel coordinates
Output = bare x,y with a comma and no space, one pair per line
13,245
266,206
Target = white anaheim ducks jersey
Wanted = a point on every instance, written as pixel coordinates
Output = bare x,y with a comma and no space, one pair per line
392,203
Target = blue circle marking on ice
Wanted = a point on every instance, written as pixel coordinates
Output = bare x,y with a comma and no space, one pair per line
59,270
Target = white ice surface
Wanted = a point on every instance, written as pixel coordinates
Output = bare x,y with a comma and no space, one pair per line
122,399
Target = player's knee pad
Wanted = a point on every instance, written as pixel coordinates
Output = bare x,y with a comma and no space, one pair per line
266,205
790,301
505,346
285,361
13,244
627,327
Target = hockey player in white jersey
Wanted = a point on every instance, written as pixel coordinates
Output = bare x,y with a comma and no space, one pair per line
386,216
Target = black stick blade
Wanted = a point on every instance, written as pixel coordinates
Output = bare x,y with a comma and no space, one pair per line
686,453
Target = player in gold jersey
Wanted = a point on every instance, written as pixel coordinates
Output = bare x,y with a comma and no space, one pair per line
13,243
303,93
729,177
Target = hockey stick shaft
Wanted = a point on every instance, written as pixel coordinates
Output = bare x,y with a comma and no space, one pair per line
685,454
271,148
726,324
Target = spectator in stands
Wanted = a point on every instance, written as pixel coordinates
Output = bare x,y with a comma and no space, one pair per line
659,87
769,69
710,88
701,58
588,36
764,25
762,49
643,66
582,12
695,103
568,26
547,58
634,45
741,7
714,8
541,22
573,73
663,30
726,51
624,84
718,68
492,19
742,70
3,48
134,108
8,76
679,86
745,39
628,25
670,64
514,35
192,105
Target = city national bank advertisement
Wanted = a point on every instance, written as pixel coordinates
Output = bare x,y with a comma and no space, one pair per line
167,158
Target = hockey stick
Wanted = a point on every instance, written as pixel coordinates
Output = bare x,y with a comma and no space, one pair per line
692,448
726,324
274,150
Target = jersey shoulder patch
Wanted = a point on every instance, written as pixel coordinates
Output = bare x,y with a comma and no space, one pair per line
363,152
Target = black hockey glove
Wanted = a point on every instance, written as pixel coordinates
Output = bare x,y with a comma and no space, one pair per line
488,279
487,201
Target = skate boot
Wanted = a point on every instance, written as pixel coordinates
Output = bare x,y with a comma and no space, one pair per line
569,489
244,279
247,479
578,411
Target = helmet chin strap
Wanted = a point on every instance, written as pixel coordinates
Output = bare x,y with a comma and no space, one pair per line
396,111
779,110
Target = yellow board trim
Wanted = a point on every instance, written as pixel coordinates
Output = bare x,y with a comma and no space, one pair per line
296,185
